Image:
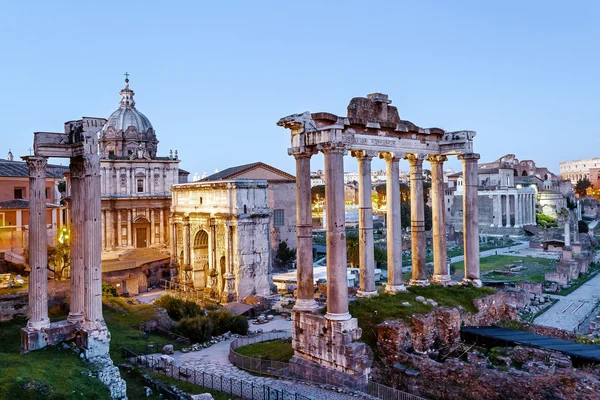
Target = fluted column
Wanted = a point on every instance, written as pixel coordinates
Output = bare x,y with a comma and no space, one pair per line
507,200
518,218
161,228
103,213
337,269
471,218
77,240
173,242
532,205
441,272
394,225
365,222
129,230
304,260
110,231
119,228
152,226
186,243
498,203
417,221
92,250
38,244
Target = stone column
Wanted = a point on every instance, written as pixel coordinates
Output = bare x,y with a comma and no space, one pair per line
532,205
394,226
173,242
441,272
507,199
77,238
152,227
518,204
229,289
110,236
337,268
186,243
19,220
417,223
103,230
119,229
129,231
498,203
161,228
471,218
92,251
304,260
38,244
567,232
365,222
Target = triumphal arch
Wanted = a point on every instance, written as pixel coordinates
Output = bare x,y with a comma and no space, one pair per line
85,323
372,128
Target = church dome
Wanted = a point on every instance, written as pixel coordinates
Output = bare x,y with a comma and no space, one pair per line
127,132
127,115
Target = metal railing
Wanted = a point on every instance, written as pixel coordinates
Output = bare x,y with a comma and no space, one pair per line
235,387
282,369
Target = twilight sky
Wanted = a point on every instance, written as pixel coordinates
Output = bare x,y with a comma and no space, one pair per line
214,77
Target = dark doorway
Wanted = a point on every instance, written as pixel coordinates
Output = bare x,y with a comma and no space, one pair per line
140,234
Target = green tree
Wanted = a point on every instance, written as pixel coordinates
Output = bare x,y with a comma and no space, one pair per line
352,250
581,187
285,255
317,193
59,260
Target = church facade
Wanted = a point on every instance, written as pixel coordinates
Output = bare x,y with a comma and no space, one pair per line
136,182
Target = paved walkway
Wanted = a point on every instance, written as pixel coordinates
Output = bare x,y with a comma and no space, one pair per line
149,297
570,311
214,360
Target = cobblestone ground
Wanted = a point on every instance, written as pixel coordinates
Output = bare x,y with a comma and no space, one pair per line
570,311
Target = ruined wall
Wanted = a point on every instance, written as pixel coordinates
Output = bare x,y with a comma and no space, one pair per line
13,306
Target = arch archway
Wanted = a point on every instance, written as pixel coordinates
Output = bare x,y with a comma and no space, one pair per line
524,173
200,258
141,232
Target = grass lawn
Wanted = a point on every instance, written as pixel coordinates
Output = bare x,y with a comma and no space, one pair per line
58,373
535,271
275,350
373,311
14,289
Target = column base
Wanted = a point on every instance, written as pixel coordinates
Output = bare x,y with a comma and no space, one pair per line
395,288
441,279
475,282
306,305
95,339
367,295
419,282
75,318
338,317
44,323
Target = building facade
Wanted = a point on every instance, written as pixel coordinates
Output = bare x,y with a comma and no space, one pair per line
221,231
578,169
14,203
136,182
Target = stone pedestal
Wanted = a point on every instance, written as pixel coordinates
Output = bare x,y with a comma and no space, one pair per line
35,339
576,248
329,350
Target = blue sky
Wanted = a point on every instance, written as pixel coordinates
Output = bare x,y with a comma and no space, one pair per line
214,77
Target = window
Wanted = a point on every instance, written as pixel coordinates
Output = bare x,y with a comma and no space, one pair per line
140,185
278,217
111,153
19,193
46,192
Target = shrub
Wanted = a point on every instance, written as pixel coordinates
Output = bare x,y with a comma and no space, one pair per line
198,329
545,221
178,308
583,227
224,321
109,290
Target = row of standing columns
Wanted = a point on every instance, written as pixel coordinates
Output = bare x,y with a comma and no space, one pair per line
86,271
337,291
514,209
109,217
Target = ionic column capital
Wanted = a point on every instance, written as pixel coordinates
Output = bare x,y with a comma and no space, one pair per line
437,158
302,152
333,148
363,154
469,157
36,165
415,159
391,156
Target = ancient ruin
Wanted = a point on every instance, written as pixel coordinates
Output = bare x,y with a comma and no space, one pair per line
85,323
372,128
